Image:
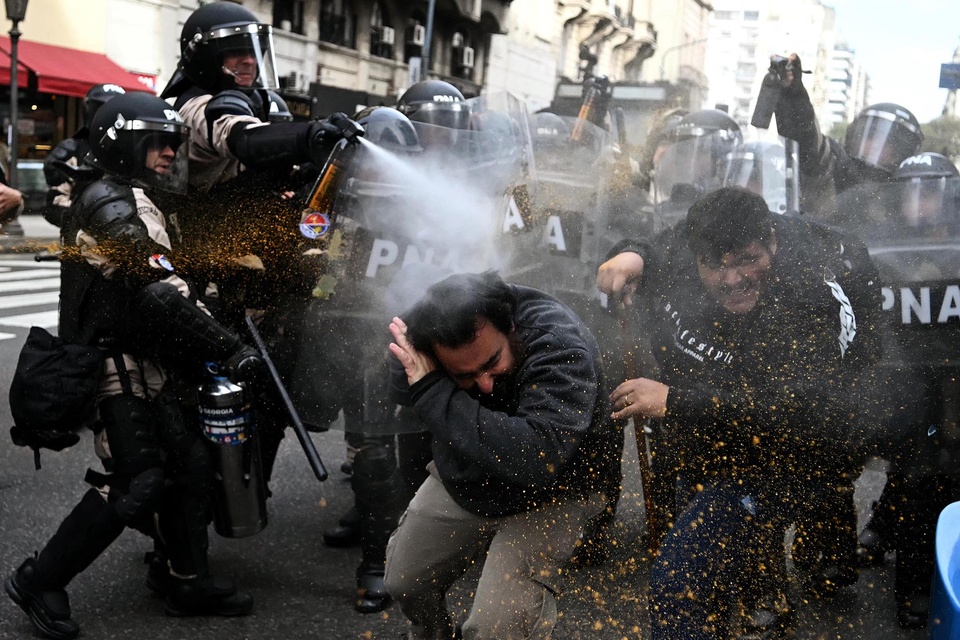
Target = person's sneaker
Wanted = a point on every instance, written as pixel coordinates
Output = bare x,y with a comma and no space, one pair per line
49,611
372,596
912,612
206,597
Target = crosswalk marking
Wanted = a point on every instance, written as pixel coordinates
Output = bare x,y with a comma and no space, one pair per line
25,284
32,265
44,319
6,275
44,284
29,300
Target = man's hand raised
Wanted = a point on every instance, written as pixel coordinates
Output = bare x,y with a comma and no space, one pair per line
415,364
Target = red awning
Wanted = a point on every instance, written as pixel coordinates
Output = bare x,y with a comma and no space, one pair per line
63,71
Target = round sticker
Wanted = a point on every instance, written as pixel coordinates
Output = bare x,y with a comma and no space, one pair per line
314,224
162,261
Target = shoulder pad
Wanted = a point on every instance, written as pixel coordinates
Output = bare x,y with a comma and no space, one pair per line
233,103
69,148
104,203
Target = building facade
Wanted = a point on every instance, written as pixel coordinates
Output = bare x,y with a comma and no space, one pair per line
743,34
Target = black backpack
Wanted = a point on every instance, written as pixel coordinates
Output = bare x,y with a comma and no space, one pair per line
53,392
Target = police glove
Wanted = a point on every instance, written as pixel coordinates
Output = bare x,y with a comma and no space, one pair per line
791,74
245,365
327,132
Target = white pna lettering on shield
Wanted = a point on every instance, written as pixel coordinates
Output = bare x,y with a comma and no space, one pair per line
386,253
919,306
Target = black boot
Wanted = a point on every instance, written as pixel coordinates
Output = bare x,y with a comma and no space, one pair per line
346,533
158,572
49,609
380,498
206,597
39,585
372,593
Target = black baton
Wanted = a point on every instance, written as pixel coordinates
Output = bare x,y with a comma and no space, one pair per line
308,447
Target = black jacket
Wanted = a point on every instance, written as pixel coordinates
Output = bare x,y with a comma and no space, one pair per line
785,389
544,432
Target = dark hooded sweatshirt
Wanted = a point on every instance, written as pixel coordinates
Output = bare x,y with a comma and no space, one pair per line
544,432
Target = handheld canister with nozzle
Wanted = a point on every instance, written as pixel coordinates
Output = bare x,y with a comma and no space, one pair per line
770,92
596,96
318,218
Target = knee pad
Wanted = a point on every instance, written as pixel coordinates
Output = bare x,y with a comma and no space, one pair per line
142,497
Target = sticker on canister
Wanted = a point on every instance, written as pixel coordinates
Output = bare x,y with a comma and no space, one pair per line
314,224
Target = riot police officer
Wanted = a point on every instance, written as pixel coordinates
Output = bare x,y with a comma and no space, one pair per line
386,469
693,161
221,83
242,171
924,215
877,141
71,152
122,294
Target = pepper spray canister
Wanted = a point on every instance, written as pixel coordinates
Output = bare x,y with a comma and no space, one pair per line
240,494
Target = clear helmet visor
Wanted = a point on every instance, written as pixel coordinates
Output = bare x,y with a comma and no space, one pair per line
690,166
166,157
928,202
767,165
449,115
880,140
246,54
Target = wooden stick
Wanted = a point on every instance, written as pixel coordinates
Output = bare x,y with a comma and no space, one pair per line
655,528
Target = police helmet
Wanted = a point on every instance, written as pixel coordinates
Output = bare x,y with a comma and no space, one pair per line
218,30
437,103
707,122
926,165
127,128
883,135
928,186
388,128
96,96
692,161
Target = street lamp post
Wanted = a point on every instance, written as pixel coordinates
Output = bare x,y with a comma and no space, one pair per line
663,56
16,11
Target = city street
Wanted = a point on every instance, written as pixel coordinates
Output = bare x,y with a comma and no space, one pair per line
302,588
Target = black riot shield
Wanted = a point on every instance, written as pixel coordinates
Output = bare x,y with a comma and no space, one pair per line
912,229
399,224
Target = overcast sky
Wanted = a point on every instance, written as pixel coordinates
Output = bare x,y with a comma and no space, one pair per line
902,44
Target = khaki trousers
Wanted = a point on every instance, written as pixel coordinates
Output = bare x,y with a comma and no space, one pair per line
437,541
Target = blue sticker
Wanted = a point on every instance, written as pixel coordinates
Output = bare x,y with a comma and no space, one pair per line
314,225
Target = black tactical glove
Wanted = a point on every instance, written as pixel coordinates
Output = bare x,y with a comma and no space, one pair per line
791,74
327,132
244,365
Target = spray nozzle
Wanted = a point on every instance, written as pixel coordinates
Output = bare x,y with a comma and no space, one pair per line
349,129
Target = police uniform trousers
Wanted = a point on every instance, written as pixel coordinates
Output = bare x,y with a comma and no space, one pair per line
437,541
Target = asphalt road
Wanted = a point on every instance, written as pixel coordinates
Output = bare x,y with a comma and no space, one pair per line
304,589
